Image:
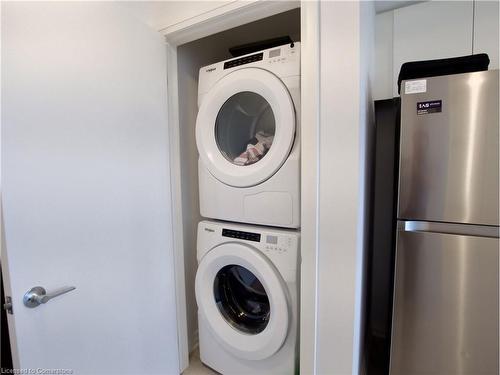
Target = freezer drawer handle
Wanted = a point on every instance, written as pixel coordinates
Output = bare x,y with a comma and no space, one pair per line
38,295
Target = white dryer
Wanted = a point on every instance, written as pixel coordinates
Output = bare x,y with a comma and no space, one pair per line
247,287
247,134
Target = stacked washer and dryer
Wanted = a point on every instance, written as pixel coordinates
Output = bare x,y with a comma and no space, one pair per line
247,282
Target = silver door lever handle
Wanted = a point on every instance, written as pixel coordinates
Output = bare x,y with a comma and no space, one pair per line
38,295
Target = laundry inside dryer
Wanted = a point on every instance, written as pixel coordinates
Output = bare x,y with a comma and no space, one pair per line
245,128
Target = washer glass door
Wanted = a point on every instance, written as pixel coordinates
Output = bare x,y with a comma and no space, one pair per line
242,299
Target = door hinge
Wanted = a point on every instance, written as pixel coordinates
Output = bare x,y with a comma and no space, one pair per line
8,305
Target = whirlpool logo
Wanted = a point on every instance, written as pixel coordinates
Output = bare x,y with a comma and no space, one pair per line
210,70
209,230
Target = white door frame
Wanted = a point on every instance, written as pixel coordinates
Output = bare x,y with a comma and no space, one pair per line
234,14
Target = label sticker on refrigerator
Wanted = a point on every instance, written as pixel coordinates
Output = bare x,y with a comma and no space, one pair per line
433,106
415,87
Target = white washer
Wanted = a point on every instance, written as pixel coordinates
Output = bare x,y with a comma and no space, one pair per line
247,293
249,97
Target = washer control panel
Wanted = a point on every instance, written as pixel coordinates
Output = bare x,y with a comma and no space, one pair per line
279,244
269,242
241,235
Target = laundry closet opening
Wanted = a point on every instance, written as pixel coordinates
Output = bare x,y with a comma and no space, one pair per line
190,58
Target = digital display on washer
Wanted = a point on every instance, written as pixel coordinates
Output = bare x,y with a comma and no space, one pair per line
273,240
243,60
241,235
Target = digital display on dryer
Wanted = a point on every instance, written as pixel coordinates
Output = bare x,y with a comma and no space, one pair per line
274,53
241,235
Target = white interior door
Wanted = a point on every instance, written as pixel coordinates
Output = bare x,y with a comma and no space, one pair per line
86,189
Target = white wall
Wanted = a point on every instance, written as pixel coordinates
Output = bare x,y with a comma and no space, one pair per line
486,32
345,140
161,14
432,30
383,80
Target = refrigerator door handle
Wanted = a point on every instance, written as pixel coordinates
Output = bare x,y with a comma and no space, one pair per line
449,228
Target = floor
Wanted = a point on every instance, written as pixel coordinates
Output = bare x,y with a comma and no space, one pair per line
196,367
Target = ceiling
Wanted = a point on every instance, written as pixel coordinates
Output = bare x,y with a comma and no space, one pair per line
384,6
161,13
158,14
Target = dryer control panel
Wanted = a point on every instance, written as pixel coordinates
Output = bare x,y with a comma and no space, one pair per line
243,60
283,61
282,55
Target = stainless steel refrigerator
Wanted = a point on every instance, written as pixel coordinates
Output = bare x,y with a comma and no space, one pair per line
446,293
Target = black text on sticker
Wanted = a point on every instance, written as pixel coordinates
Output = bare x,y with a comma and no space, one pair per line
432,106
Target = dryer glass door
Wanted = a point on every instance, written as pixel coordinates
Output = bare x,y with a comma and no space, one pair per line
245,127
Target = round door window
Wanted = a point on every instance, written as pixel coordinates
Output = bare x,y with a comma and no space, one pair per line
244,128
241,299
